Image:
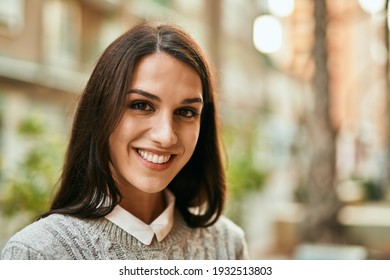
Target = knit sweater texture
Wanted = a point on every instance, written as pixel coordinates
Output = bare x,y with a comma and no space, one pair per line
64,237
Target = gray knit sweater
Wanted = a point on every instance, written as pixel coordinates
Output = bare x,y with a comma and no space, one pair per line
66,237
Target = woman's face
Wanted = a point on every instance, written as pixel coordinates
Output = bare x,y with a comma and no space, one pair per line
159,129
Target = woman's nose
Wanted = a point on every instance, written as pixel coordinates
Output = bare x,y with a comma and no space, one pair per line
163,131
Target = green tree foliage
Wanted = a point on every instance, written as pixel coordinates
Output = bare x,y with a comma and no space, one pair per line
29,188
243,175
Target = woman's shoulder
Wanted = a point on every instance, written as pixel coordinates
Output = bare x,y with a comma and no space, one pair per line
42,237
233,235
229,228
44,226
222,240
223,227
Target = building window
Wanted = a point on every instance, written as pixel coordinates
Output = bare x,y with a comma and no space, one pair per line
61,27
11,16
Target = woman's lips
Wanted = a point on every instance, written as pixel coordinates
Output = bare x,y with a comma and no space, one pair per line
155,160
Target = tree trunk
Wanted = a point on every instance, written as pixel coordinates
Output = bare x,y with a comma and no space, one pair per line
322,205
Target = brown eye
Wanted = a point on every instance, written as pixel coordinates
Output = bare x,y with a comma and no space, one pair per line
141,106
186,113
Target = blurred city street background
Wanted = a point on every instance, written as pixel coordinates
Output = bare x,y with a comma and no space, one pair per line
304,98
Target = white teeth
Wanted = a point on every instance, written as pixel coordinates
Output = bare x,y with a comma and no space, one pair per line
154,158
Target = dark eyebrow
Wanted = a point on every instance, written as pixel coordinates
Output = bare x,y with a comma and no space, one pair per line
156,98
192,100
145,94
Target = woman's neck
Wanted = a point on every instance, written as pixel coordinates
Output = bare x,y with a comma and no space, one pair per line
145,206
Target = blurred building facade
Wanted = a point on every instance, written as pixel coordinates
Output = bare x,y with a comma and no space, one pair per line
49,47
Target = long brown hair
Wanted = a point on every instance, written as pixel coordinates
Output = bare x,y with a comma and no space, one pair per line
87,188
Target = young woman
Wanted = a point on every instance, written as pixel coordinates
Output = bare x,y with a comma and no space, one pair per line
143,176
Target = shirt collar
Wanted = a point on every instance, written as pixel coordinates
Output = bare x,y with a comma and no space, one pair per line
160,227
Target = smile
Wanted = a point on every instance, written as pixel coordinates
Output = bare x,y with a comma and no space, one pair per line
154,158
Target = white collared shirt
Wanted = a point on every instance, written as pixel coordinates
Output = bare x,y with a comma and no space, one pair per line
160,227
